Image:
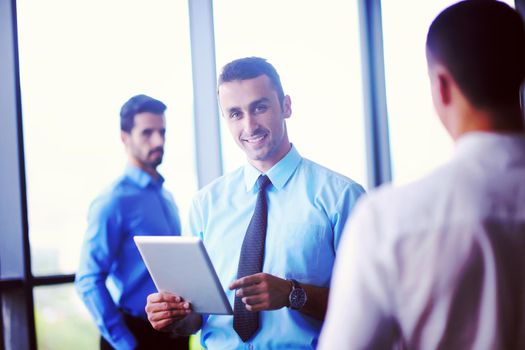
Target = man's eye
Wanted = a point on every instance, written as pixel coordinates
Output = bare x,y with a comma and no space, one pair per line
147,133
261,108
235,115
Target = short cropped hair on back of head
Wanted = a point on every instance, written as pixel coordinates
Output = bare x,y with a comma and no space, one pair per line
249,68
138,104
482,44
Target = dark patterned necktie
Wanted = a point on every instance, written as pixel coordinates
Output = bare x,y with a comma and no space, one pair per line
246,322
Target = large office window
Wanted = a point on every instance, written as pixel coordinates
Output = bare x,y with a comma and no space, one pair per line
77,69
315,48
79,62
418,141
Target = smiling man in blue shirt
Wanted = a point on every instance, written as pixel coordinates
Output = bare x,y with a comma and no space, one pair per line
307,206
112,280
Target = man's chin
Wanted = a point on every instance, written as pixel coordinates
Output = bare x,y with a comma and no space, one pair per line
155,163
257,156
255,152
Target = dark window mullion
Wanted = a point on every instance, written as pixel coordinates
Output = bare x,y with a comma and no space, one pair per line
18,324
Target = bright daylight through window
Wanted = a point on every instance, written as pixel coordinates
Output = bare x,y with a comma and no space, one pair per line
79,62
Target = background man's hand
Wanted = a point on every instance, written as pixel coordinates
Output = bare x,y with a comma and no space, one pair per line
165,309
262,291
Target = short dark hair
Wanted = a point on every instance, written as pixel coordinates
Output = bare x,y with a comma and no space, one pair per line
138,104
249,68
482,44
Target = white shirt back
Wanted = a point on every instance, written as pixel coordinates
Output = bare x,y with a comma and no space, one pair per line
440,263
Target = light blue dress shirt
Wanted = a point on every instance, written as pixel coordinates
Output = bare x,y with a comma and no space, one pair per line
307,209
112,275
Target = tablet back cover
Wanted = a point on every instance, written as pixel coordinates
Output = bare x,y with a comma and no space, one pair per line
181,265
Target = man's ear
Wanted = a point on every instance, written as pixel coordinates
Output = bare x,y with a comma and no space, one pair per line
444,85
124,136
287,107
440,81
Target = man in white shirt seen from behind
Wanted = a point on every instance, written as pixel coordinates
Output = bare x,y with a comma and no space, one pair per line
440,263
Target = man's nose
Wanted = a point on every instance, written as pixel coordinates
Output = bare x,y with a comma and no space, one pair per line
250,123
157,139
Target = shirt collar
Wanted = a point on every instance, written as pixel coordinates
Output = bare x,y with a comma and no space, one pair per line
142,178
278,174
478,142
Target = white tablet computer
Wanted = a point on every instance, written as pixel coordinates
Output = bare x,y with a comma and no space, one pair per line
182,266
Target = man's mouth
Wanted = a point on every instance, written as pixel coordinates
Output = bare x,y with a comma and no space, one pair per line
157,152
255,138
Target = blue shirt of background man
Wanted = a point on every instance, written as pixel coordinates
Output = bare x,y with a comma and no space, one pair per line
307,209
112,275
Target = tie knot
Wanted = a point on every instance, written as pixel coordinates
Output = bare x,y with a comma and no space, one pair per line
263,181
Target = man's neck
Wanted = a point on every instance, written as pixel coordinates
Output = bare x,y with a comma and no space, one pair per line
503,120
151,171
264,165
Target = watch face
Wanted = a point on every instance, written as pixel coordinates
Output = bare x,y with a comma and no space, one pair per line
297,298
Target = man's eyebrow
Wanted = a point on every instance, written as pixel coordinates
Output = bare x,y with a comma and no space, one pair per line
256,102
233,109
252,105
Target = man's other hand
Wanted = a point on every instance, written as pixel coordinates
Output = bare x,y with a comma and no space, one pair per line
262,291
165,309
